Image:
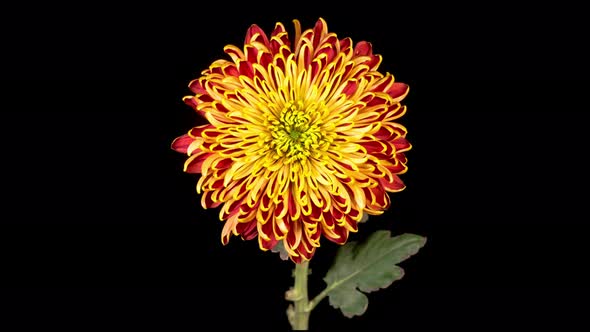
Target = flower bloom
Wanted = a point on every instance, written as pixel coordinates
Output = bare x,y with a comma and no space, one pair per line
301,138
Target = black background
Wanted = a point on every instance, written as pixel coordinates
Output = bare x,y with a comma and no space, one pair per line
101,229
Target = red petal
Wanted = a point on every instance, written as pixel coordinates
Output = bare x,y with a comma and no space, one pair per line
294,212
318,30
294,231
401,158
398,91
305,249
351,222
247,230
351,87
363,48
251,53
338,215
297,260
279,28
221,164
255,29
305,54
197,131
265,59
191,101
346,45
180,144
401,144
245,68
375,60
210,132
384,133
196,164
376,100
231,70
374,147
397,168
275,46
396,185
280,63
316,213
196,87
233,208
379,200
265,202
354,213
329,219
204,98
315,68
267,230
276,228
207,202
342,232
382,86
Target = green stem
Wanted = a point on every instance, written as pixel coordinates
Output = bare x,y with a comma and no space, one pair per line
300,317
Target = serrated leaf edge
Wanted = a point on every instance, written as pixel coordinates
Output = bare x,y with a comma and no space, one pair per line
356,272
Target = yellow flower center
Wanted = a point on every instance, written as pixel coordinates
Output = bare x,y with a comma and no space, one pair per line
296,133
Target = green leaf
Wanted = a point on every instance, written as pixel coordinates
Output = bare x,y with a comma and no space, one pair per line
280,249
367,267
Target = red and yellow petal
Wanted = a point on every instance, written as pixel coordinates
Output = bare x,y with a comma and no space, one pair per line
301,140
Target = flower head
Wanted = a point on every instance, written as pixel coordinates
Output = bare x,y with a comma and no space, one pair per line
301,138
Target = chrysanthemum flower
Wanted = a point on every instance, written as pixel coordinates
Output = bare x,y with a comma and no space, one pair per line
301,138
